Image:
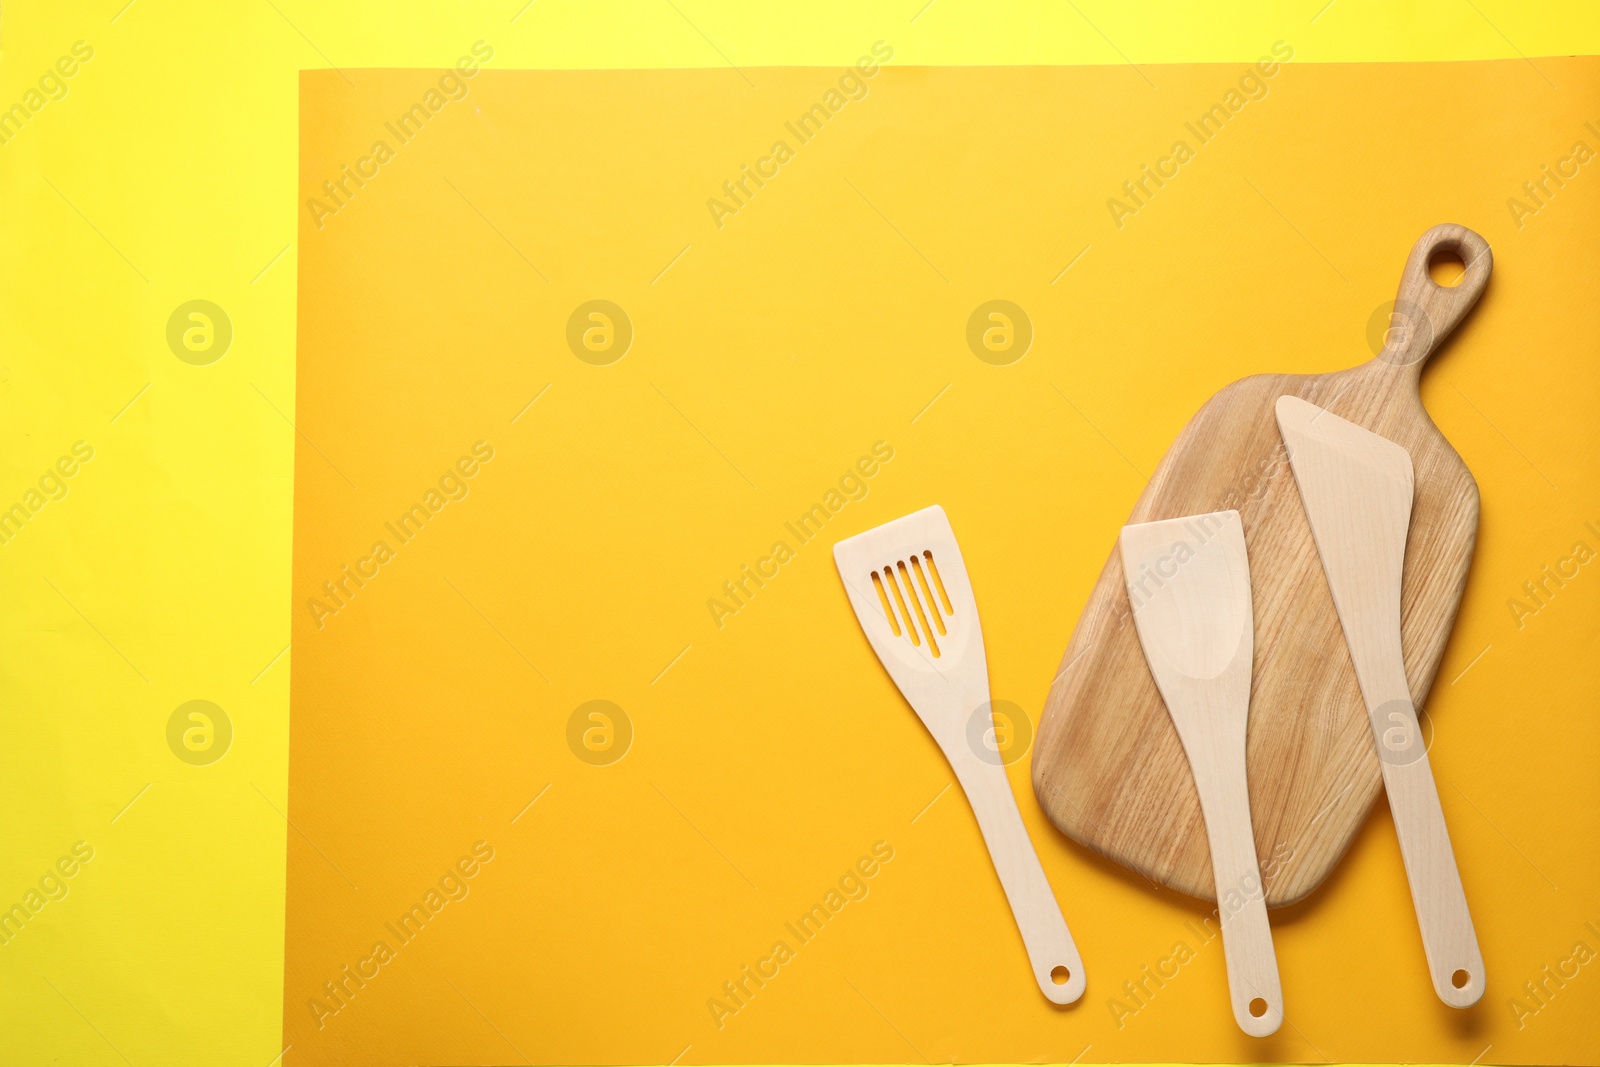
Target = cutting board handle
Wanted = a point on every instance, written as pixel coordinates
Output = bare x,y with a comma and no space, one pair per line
1425,312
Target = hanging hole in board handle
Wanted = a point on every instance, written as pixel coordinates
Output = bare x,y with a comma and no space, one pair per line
1258,1007
1445,268
1432,299
1060,976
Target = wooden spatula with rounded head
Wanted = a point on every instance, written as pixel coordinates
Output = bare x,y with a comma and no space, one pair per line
908,585
1357,489
1189,584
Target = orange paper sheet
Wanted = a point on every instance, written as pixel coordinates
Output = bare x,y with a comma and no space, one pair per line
590,762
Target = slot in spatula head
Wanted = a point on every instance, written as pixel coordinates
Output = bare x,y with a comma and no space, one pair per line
908,585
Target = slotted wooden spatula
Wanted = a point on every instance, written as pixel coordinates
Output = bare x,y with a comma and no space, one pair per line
908,585
1107,764
1357,491
1189,583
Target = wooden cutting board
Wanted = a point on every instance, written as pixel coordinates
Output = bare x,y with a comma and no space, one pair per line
1108,767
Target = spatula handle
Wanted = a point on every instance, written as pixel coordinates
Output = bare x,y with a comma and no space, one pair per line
1051,952
1253,983
1448,937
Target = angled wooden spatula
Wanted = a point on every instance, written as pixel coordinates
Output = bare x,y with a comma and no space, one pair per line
908,585
1357,489
1188,583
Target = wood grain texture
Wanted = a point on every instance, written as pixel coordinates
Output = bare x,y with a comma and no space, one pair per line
1189,583
1108,767
1357,488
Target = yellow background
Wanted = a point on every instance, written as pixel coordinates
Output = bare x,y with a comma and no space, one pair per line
167,173
769,355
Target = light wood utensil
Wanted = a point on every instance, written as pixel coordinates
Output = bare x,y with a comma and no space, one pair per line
908,585
1357,490
1188,581
1108,767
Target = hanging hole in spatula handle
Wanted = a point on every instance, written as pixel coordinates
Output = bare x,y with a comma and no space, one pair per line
1426,312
